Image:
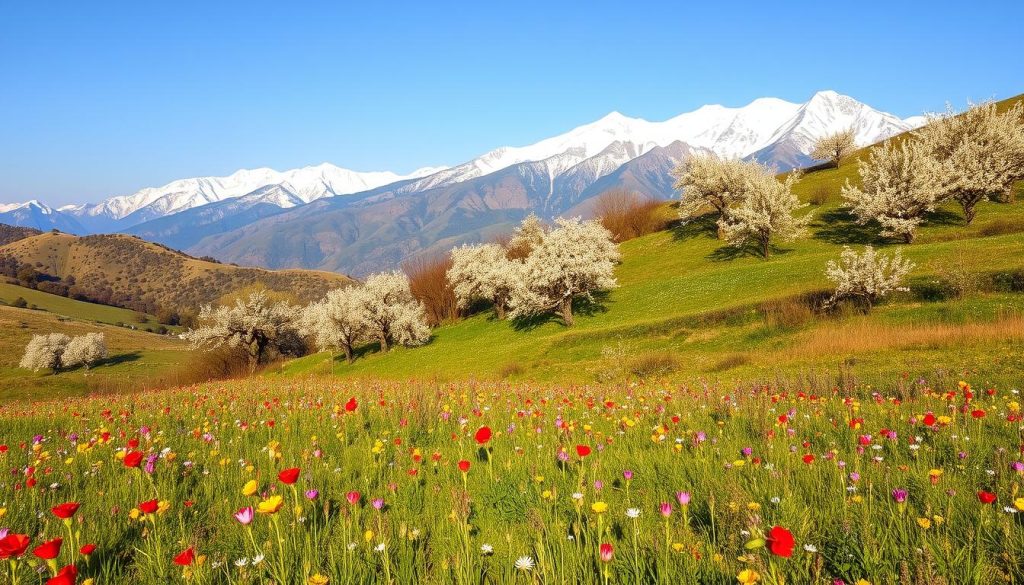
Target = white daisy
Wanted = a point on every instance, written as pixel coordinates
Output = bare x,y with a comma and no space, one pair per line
524,563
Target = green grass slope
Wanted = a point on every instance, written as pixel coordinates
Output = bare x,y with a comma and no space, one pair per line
688,307
136,360
66,307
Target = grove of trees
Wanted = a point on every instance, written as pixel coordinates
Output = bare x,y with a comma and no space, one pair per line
57,351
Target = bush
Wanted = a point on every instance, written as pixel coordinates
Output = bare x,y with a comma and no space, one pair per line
654,364
731,361
629,215
428,283
20,302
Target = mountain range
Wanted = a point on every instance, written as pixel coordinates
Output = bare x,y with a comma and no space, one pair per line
330,218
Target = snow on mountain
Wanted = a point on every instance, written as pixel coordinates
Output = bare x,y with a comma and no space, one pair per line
304,185
37,215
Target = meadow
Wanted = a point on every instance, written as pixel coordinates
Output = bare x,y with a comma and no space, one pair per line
317,480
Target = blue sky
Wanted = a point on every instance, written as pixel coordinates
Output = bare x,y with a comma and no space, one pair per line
104,98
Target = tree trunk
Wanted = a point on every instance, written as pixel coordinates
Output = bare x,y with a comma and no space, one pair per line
566,312
499,309
969,211
764,247
908,238
383,338
347,347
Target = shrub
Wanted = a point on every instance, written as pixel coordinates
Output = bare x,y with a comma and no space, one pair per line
654,364
628,215
733,360
428,283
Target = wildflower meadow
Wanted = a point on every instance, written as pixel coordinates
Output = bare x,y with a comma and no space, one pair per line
320,481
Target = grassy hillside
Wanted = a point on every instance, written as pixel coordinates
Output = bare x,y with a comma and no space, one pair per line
688,307
129,272
80,310
137,359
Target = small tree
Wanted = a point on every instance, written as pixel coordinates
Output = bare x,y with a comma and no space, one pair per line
254,323
981,152
866,277
338,321
708,181
85,350
900,184
574,260
44,352
392,314
484,272
766,213
835,147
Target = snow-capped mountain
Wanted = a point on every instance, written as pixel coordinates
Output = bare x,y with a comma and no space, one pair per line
303,185
38,215
223,216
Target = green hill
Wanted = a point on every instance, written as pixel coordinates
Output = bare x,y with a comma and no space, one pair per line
65,307
688,307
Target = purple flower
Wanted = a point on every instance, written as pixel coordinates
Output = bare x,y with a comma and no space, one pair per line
746,451
378,503
1018,466
598,484
563,455
900,495
312,494
683,498
854,477
628,474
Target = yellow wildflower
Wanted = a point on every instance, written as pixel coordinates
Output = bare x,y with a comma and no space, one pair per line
250,487
748,577
599,507
270,505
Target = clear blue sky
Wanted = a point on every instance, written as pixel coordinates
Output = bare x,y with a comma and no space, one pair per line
104,98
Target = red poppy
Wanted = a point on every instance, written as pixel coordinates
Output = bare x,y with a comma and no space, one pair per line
582,450
65,576
149,506
13,545
483,434
808,459
351,405
780,542
66,510
133,459
986,497
289,476
978,413
87,549
606,552
929,419
186,557
463,466
49,549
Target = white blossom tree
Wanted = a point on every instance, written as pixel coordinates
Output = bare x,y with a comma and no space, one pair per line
766,212
866,277
44,352
338,321
835,147
84,350
708,181
574,260
484,272
900,185
981,152
527,235
255,324
391,313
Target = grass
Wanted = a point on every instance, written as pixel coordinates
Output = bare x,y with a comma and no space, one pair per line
137,359
376,493
71,308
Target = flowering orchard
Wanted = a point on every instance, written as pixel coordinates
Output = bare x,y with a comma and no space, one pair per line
319,481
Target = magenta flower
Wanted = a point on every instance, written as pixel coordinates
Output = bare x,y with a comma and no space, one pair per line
312,494
378,503
683,498
245,515
628,474
666,509
900,495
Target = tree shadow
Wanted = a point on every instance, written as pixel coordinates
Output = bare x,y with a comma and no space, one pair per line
752,249
582,307
944,218
839,226
121,358
701,226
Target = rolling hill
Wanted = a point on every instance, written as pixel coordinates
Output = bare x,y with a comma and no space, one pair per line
126,271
